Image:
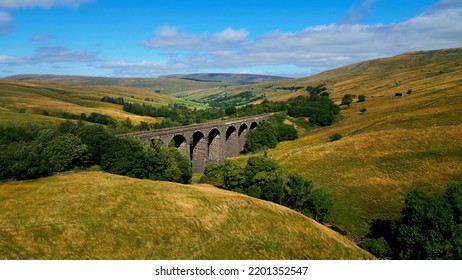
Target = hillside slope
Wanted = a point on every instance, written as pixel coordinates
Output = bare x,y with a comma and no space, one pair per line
400,143
25,102
94,215
171,84
422,70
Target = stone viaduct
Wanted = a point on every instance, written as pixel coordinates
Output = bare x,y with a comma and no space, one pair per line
206,143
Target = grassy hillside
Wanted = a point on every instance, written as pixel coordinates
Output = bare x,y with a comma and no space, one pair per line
228,79
400,143
24,102
94,215
172,84
417,70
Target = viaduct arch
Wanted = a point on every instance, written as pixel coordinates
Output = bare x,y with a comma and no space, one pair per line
206,143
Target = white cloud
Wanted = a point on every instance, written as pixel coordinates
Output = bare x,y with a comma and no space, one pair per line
230,35
60,54
170,37
446,4
316,47
6,59
143,68
15,4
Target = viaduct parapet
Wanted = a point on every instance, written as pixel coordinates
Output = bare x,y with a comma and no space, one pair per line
206,143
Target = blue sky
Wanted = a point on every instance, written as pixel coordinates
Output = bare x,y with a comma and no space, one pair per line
151,38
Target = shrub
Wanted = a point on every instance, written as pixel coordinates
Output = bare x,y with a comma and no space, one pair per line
347,99
234,177
430,227
322,117
378,247
213,175
183,164
361,98
335,137
319,204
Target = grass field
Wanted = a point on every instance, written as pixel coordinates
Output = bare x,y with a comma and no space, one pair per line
385,76
400,143
169,85
24,102
95,215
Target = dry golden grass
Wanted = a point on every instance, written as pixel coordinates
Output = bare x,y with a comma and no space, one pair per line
400,143
419,71
38,96
94,215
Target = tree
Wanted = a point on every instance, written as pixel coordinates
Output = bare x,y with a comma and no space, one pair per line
297,192
430,227
143,126
285,132
160,164
363,111
183,164
258,164
68,127
347,99
64,152
264,136
96,137
213,174
125,156
230,110
377,246
425,228
127,123
319,205
322,117
452,198
28,161
361,98
234,177
271,185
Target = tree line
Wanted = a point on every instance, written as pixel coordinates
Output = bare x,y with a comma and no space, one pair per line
263,178
33,153
430,227
316,105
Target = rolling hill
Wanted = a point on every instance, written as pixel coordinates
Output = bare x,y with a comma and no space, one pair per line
400,143
385,76
43,102
228,79
94,215
171,84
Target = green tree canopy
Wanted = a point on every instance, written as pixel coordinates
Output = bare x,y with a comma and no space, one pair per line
347,99
64,151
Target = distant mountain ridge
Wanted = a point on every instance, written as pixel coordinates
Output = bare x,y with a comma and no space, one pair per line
164,84
241,79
